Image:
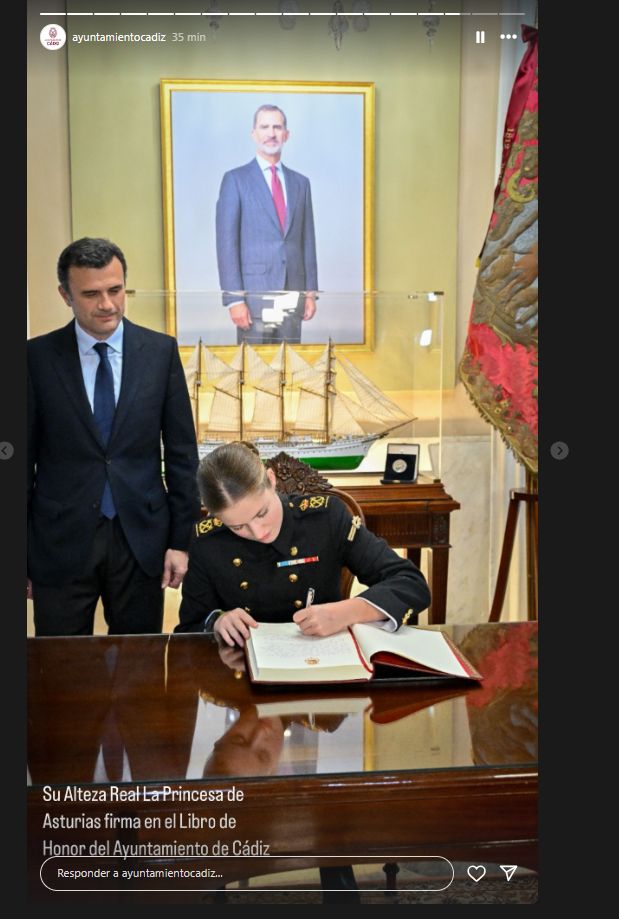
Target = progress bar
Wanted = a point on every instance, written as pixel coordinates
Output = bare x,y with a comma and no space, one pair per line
217,13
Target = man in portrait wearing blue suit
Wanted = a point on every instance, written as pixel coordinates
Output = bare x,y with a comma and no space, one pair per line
265,239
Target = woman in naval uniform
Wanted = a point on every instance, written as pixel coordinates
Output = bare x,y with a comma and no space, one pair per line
262,556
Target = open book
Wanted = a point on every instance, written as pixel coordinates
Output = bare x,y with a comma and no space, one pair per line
278,652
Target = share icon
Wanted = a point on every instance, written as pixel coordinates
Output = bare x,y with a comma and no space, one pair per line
509,870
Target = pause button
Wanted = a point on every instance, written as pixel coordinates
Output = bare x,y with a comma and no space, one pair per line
480,37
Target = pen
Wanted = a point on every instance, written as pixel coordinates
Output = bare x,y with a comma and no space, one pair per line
310,596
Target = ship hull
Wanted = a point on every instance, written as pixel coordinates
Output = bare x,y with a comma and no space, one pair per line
343,453
334,462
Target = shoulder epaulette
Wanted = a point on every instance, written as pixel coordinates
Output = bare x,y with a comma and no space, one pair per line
208,525
309,504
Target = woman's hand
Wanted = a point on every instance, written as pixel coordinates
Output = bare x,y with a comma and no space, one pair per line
328,618
233,626
234,658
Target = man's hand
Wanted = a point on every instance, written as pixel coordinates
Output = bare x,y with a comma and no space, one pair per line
175,565
240,316
233,627
310,308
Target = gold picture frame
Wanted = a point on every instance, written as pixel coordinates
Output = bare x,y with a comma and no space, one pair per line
206,130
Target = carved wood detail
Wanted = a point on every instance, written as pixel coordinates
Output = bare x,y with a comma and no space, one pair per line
295,477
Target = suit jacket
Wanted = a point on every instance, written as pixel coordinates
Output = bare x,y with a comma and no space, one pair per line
68,463
253,253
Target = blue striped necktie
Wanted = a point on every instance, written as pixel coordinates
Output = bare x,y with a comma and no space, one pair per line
103,410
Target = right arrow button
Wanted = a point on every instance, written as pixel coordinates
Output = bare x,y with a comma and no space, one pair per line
559,450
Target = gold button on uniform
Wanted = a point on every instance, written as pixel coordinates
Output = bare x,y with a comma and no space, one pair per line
407,615
298,604
294,551
237,562
244,585
247,609
293,577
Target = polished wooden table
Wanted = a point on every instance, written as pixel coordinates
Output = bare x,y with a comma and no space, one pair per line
129,737
411,517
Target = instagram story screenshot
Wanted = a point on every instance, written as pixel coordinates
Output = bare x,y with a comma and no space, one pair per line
282,453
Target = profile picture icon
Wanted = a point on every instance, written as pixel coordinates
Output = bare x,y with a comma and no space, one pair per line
53,37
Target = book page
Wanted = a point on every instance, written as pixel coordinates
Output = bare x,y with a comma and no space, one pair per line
283,646
419,645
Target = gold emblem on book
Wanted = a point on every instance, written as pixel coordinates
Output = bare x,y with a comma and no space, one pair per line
312,660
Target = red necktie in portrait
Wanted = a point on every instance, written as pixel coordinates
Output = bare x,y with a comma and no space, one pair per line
278,196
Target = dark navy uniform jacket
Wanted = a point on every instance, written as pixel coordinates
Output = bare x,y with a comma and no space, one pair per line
227,571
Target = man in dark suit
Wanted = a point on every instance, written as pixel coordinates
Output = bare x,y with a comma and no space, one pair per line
265,239
107,404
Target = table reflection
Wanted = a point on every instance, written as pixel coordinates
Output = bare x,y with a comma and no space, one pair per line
502,714
157,708
252,746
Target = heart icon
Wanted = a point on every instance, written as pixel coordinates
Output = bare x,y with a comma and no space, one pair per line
476,872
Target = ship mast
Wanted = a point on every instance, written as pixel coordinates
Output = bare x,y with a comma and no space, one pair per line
198,384
329,374
241,384
282,389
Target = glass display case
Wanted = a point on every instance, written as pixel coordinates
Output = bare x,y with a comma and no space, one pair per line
363,374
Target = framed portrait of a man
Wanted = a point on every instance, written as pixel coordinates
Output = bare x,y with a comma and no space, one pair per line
268,211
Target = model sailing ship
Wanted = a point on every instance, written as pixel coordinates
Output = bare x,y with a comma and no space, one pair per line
296,406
